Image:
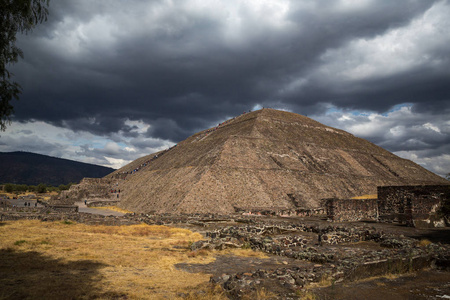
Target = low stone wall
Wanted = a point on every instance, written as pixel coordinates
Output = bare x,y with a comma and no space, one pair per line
351,209
101,203
279,211
60,209
77,217
19,209
65,209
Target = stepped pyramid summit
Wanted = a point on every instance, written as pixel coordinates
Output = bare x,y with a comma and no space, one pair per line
263,159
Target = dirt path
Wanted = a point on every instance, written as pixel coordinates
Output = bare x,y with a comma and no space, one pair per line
234,264
104,212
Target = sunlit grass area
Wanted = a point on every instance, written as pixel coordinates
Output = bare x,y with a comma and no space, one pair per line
65,260
114,208
45,196
372,196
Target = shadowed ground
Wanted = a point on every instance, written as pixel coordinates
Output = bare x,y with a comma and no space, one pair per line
30,275
427,284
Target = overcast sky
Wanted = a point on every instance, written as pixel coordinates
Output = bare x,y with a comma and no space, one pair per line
108,81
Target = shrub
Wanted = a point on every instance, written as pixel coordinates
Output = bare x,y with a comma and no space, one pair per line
9,188
41,188
423,243
21,187
20,242
63,187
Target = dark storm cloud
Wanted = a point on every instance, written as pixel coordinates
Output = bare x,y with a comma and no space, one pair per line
181,66
422,137
178,67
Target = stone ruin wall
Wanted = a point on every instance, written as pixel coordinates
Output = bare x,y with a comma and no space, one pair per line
351,209
418,206
48,209
279,211
413,205
102,203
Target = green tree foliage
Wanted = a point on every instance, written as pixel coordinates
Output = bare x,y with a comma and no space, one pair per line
9,188
21,188
15,16
41,188
64,187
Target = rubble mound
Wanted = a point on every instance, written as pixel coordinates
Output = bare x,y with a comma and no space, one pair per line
89,189
263,159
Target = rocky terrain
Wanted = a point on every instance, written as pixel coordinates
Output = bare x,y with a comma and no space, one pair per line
304,254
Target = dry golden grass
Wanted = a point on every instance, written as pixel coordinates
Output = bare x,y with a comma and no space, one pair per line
424,243
244,253
306,295
260,294
46,196
11,195
114,208
372,196
64,260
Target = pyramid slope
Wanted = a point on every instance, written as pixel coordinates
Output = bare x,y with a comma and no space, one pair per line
266,158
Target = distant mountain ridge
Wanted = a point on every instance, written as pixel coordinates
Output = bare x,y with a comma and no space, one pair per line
32,169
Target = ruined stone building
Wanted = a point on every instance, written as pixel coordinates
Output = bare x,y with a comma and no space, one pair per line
412,205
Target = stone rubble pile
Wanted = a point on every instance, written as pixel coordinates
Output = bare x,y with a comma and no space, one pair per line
333,257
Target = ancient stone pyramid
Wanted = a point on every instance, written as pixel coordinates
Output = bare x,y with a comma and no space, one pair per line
263,159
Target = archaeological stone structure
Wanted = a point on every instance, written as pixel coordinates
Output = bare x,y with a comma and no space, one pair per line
89,189
257,161
345,210
414,205
419,206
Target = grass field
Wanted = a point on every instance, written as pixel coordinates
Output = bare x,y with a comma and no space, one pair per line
372,196
113,208
64,260
45,196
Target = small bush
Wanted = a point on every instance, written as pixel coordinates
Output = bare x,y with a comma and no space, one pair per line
41,188
20,242
246,246
424,243
9,188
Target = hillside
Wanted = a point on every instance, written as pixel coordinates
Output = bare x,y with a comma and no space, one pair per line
32,169
265,159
